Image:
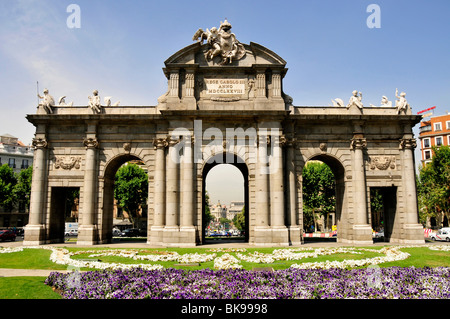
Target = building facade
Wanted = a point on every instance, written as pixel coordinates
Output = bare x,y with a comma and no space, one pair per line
18,156
224,104
434,131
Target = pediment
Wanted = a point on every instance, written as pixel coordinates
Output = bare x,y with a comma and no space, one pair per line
195,55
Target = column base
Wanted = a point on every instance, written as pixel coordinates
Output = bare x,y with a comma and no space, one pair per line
362,235
271,236
295,235
34,235
179,236
87,235
155,237
413,234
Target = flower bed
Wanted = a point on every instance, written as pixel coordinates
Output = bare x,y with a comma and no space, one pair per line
380,283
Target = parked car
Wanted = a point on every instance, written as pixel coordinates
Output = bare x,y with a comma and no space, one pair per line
442,234
131,232
116,232
6,234
71,232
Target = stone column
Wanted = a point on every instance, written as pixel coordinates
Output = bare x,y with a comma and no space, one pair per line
261,84
34,231
160,145
262,218
174,80
187,230
294,229
171,228
87,229
362,232
276,169
276,85
280,234
413,231
262,184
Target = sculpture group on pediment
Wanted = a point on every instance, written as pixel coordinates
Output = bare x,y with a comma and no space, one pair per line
221,42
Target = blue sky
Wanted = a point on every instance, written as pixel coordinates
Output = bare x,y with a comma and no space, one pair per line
121,47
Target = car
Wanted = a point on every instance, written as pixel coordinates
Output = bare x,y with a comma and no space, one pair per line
116,232
442,234
6,234
131,232
71,232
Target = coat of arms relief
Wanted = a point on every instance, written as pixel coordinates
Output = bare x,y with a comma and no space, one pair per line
222,43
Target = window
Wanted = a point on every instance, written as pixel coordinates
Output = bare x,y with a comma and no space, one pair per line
426,143
448,143
437,126
427,154
12,162
438,140
24,164
448,125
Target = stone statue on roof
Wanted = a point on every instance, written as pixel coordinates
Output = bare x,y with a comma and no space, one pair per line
222,43
94,102
47,101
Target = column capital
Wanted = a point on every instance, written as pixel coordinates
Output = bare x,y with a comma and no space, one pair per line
160,143
358,143
407,143
40,143
171,141
90,142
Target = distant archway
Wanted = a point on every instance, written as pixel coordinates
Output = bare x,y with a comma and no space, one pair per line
220,159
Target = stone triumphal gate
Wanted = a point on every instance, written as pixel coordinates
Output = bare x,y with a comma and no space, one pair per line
224,104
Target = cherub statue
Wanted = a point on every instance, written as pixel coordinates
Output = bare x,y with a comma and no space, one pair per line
94,102
356,100
401,104
47,102
384,102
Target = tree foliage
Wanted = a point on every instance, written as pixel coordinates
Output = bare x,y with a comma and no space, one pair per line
319,191
8,181
239,220
131,189
22,190
433,185
208,216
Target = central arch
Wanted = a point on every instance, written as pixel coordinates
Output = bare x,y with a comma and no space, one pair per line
236,161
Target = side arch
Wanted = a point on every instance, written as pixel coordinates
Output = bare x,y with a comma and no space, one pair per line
107,191
339,172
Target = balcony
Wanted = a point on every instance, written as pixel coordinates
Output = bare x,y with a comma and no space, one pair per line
426,128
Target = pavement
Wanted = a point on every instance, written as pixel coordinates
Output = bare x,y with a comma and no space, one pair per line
6,272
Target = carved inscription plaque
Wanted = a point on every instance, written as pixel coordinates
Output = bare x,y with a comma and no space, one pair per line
225,86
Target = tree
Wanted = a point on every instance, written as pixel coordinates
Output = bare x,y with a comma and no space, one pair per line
22,190
7,182
131,190
208,216
318,191
433,186
239,220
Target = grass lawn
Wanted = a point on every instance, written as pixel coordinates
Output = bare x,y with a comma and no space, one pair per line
34,287
26,288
